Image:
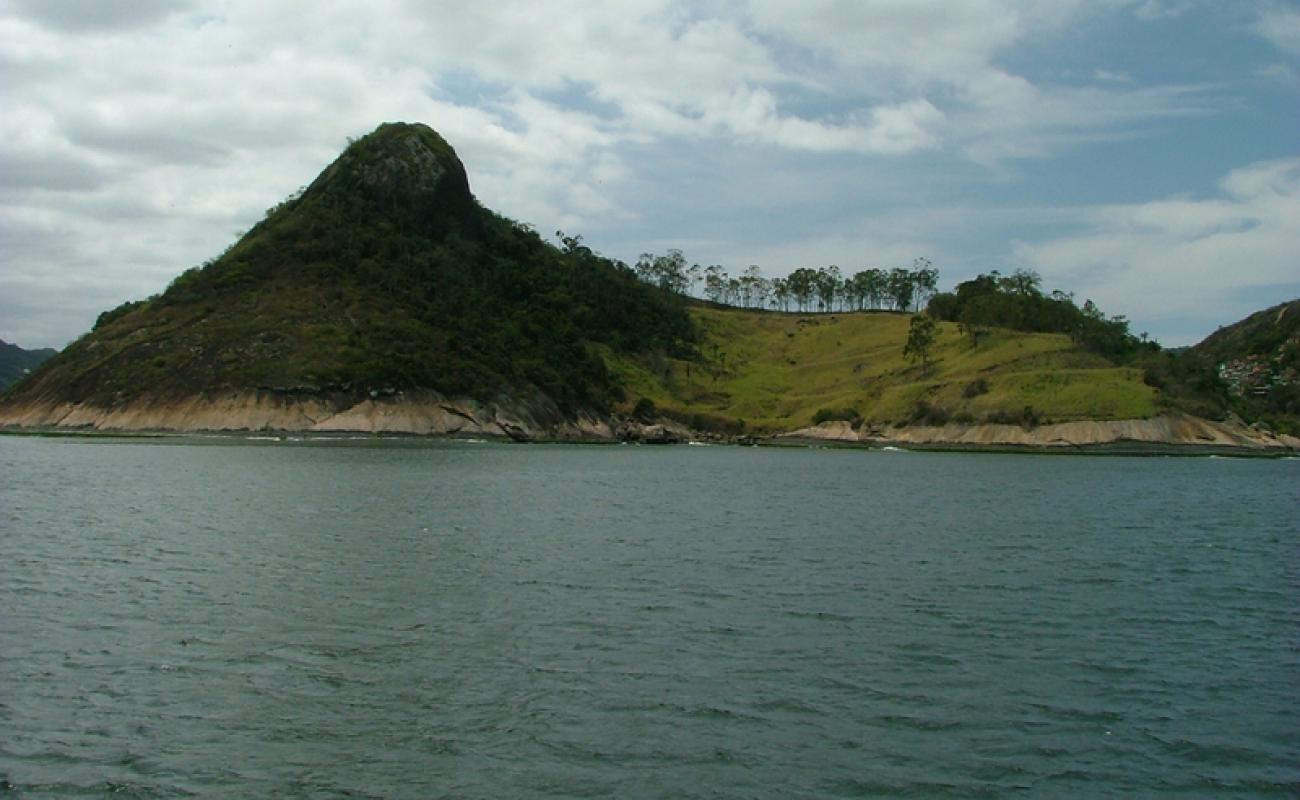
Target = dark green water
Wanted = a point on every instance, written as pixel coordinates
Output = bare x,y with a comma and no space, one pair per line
223,618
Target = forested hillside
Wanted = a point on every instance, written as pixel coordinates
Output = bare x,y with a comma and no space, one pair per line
383,275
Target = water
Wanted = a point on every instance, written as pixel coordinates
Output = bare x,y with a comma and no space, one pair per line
226,618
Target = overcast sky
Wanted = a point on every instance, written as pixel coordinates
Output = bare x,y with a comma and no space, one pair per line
1142,153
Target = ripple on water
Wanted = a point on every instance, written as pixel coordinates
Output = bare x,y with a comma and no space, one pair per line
471,620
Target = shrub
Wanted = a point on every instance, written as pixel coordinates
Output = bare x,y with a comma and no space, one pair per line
926,414
836,415
645,410
706,423
975,388
1026,418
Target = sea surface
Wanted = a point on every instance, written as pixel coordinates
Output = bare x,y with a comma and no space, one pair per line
248,617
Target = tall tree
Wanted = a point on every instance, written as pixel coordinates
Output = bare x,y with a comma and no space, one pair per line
827,284
802,283
925,279
920,339
900,288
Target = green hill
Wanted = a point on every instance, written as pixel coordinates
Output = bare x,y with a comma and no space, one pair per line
777,371
1258,362
384,297
383,275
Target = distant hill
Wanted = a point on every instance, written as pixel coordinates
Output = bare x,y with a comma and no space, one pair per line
1258,359
15,362
384,275
1273,333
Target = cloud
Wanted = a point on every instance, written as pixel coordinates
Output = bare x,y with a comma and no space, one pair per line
1280,25
1165,260
145,135
79,16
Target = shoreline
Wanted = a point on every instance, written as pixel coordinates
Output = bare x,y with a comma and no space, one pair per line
1125,449
431,415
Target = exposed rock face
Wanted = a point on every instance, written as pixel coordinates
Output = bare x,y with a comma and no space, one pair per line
1173,430
428,413
414,170
425,413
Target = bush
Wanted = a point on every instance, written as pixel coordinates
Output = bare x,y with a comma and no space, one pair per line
645,410
926,414
837,415
1026,418
706,423
975,388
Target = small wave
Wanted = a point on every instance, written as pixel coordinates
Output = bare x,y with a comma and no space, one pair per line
827,616
698,444
889,448
262,438
919,723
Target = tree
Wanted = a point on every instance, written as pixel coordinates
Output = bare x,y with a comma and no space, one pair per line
781,294
877,286
1024,282
802,283
900,288
925,279
920,339
715,283
827,286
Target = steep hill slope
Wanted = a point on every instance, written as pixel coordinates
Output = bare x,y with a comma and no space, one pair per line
385,276
1258,361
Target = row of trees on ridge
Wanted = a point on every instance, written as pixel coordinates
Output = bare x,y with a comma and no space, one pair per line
804,289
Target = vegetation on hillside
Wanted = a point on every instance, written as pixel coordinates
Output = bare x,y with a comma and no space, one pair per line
766,372
383,275
1252,368
15,362
824,289
1017,302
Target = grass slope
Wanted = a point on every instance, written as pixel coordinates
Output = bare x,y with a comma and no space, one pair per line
775,371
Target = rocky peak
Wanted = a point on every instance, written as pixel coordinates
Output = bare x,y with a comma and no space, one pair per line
400,166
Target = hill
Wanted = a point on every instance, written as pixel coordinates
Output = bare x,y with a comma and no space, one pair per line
384,276
16,363
783,371
844,378
1258,361
384,297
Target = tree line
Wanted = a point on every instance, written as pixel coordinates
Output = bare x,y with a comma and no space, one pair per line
1017,301
804,289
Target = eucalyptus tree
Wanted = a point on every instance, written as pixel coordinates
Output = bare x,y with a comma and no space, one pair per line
900,288
925,279
781,294
802,283
828,286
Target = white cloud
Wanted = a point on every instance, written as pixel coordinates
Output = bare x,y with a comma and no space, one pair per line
1171,258
142,136
1280,25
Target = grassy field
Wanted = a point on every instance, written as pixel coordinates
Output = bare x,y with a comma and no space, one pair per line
776,371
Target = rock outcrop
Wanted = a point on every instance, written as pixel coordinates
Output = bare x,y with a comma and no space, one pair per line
1174,430
423,413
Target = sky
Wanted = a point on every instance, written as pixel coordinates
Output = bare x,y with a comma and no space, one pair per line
1144,154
